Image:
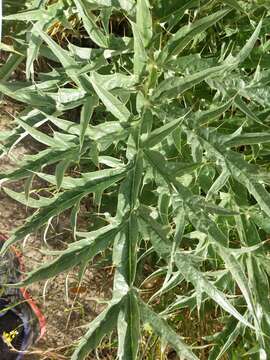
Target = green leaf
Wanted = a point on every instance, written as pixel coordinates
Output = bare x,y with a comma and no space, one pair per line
125,262
219,183
126,5
116,81
41,137
246,50
175,279
159,134
70,66
11,64
234,4
125,257
153,114
238,274
92,29
175,86
28,201
9,48
249,139
144,21
247,111
44,22
227,338
32,98
194,276
125,247
240,170
260,285
187,33
34,163
30,15
64,201
86,114
180,228
74,218
140,55
113,105
79,252
98,328
156,233
174,18
205,117
161,327
163,206
104,134
129,328
60,172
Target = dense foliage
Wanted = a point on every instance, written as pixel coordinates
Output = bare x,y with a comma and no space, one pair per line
162,107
